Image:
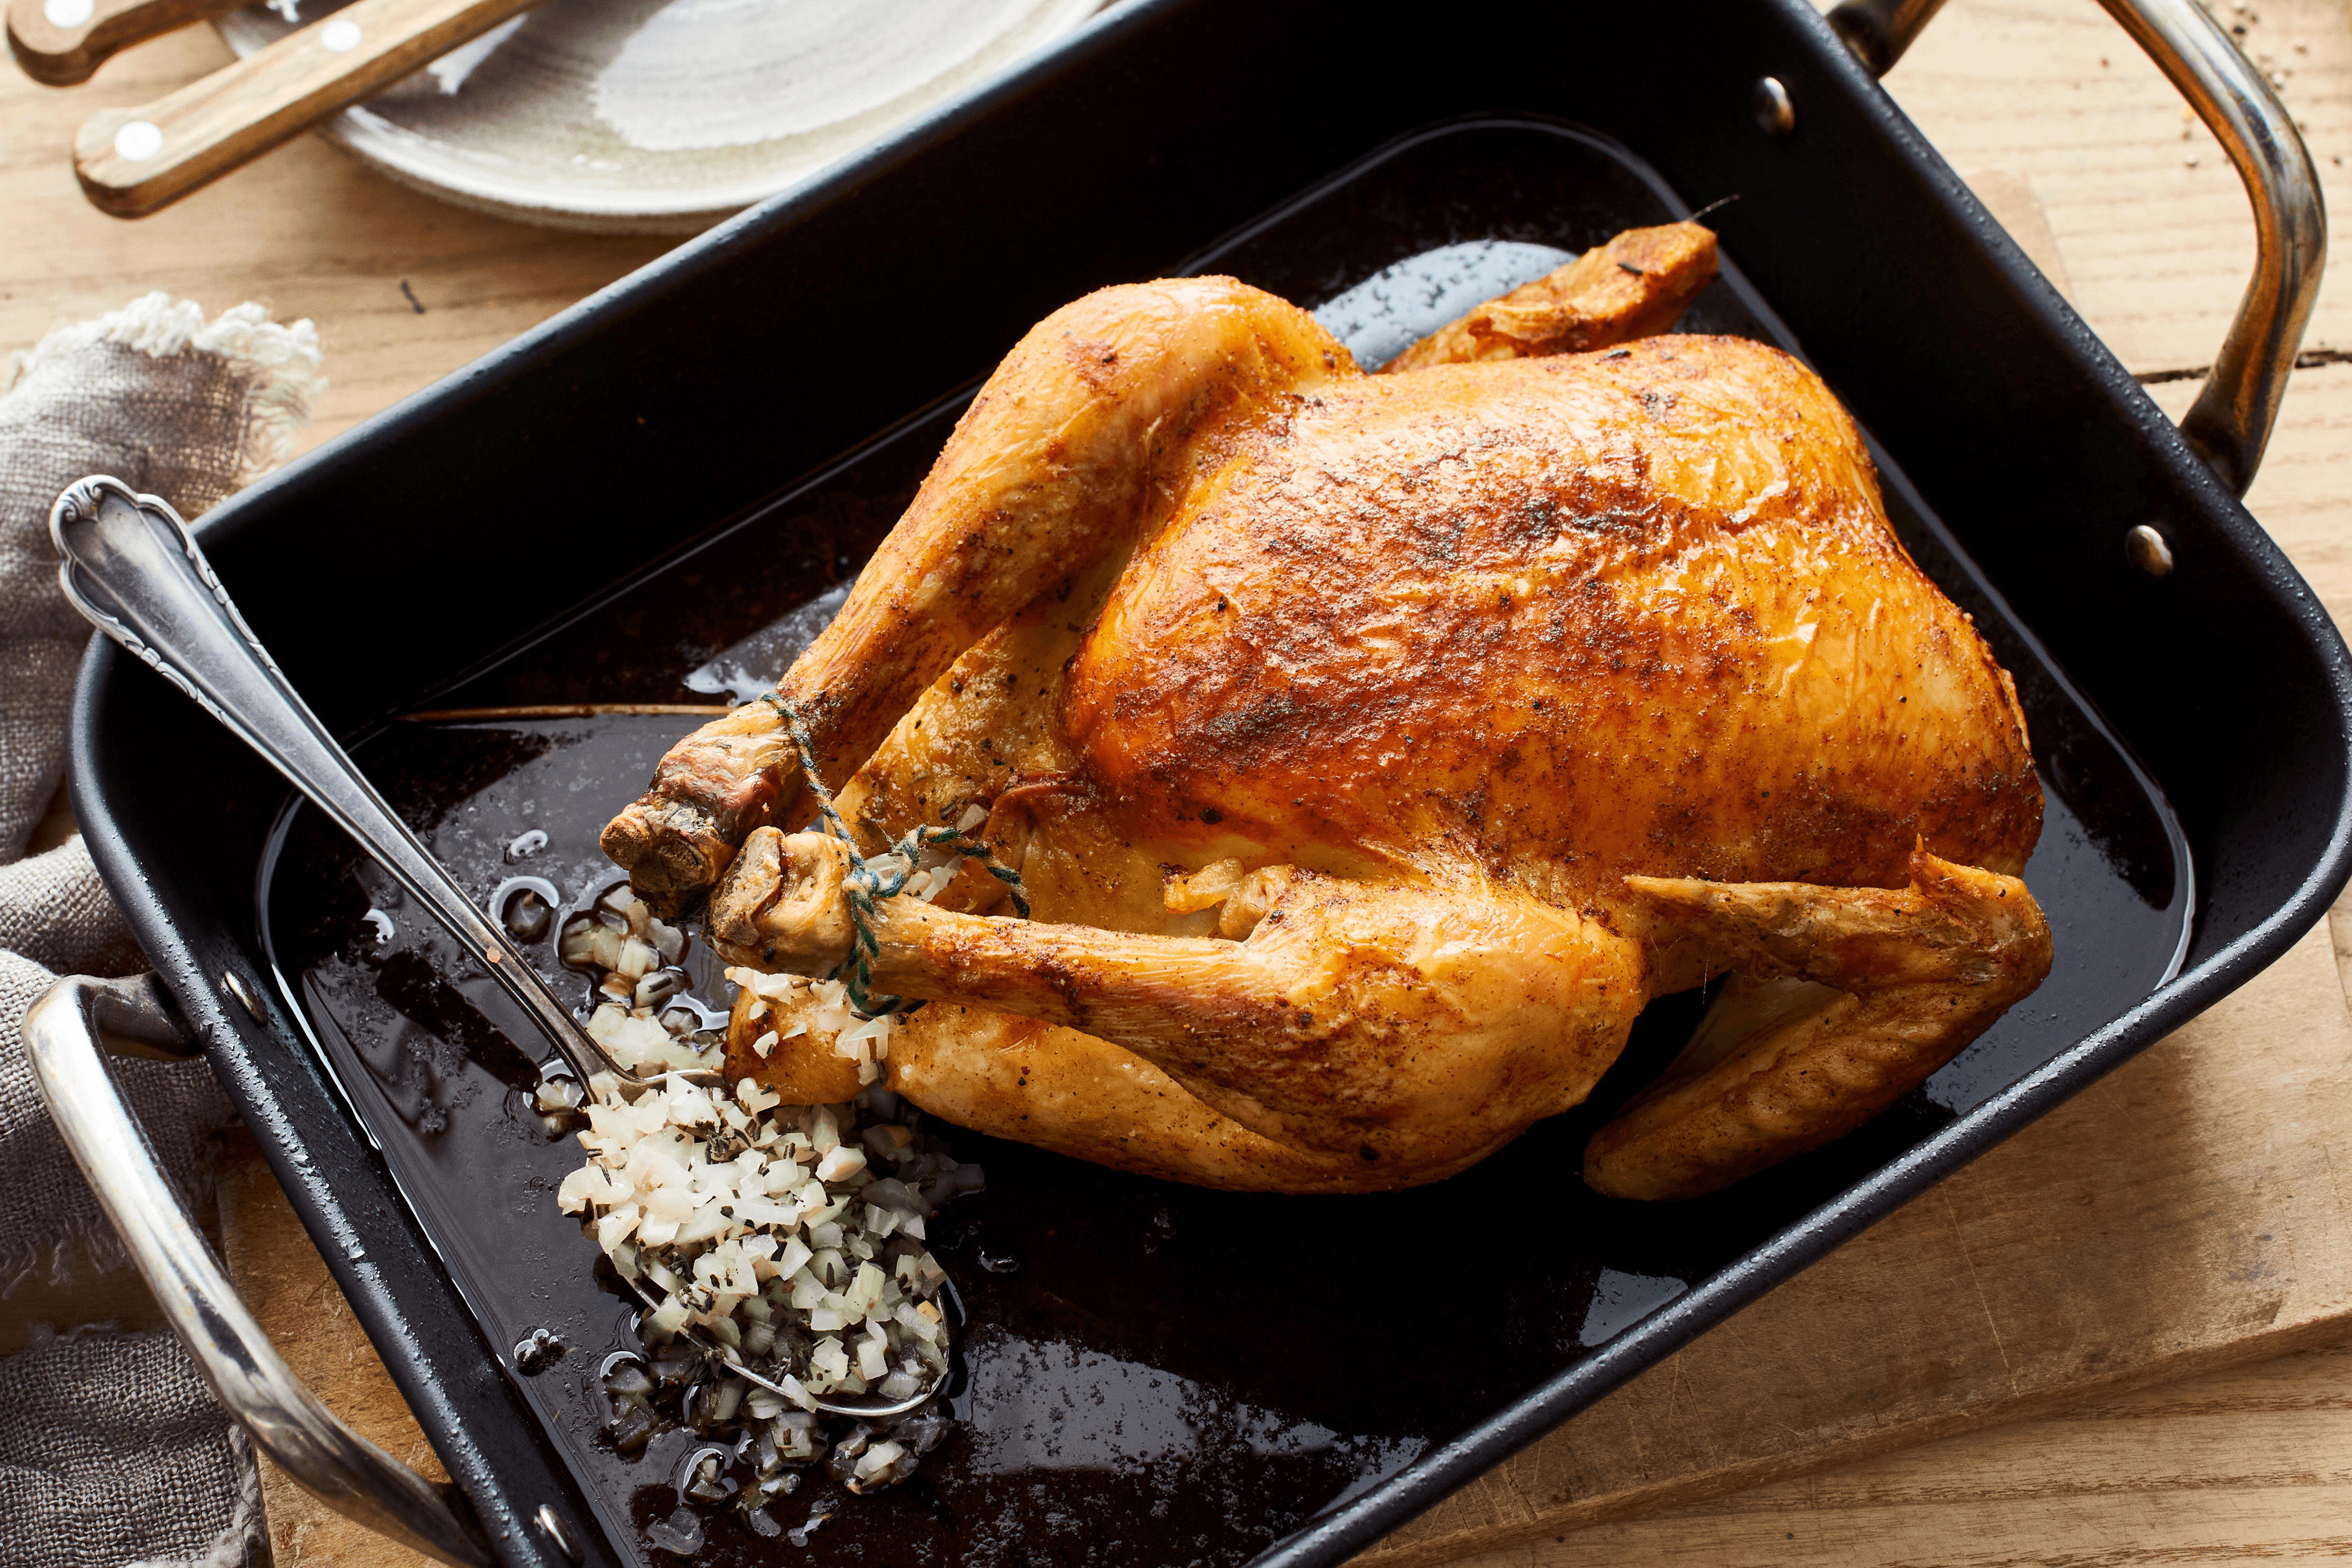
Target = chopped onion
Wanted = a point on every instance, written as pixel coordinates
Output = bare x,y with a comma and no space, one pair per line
793,1234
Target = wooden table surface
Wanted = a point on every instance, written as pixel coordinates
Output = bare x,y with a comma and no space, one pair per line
2047,110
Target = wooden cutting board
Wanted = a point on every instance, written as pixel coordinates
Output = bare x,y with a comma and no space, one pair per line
2183,1214
285,1282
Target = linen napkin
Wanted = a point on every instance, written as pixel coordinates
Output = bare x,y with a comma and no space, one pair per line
114,1452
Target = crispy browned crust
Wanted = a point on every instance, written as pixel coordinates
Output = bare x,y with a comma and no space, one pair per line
1634,286
1561,620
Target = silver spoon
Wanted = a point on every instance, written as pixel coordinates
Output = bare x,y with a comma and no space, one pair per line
134,571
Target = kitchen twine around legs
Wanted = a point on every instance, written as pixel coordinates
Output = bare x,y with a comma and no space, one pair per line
864,884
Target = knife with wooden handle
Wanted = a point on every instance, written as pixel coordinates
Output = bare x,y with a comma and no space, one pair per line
60,42
133,161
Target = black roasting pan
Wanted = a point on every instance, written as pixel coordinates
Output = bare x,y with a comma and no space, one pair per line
601,507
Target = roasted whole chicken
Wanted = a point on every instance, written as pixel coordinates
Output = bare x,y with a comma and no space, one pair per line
1373,747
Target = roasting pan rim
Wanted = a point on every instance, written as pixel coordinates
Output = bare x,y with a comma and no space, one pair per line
189,960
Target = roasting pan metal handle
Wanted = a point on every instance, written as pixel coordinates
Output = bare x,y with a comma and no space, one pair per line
346,1471
2230,424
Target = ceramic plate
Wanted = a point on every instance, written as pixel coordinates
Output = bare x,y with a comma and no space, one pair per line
663,116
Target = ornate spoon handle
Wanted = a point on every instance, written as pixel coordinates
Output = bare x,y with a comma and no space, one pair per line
134,569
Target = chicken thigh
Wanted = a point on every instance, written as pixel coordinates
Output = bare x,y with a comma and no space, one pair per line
1371,750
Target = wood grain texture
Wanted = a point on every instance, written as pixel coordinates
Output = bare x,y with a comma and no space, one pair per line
285,1282
2241,1466
204,129
405,288
2158,238
67,56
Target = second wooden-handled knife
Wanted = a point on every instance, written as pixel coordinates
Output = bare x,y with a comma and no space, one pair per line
60,42
133,162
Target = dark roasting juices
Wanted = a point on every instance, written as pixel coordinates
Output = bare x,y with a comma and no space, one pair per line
1149,1374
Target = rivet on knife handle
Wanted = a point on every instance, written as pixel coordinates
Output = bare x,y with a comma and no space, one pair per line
133,162
61,42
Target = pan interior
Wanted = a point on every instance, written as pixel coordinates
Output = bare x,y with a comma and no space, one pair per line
1151,1373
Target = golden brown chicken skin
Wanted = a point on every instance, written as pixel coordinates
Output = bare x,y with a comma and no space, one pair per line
1570,618
1372,749
1634,286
